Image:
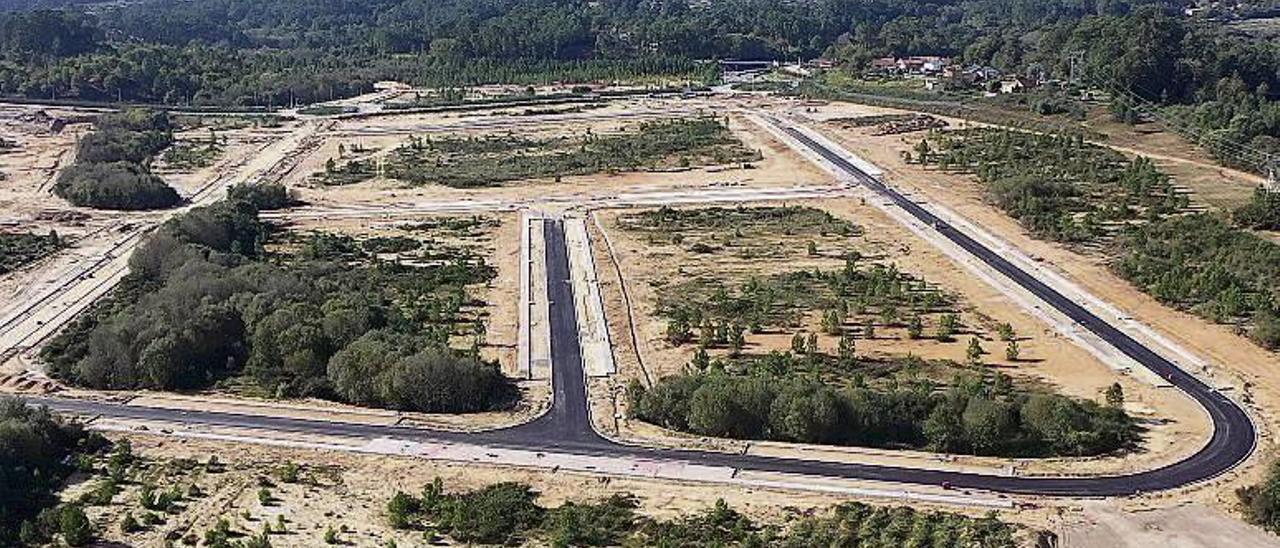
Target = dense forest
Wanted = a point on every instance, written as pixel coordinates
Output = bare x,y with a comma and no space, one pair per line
205,301
37,453
237,52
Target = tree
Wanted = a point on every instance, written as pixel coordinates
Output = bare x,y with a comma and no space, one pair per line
706,334
943,430
847,348
947,326
1011,351
832,323
701,361
974,353
923,151
798,343
987,424
678,332
74,526
737,339
1115,395
889,315
806,414
1006,331
915,327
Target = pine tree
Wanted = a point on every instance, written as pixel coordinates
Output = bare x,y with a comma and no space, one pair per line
1115,395
701,361
915,327
974,352
1012,351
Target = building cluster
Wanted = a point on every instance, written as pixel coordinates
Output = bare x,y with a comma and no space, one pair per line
943,74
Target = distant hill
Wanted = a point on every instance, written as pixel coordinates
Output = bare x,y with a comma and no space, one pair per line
28,5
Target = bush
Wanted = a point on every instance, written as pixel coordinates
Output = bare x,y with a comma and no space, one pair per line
1261,213
506,513
1262,502
19,249
263,196
74,526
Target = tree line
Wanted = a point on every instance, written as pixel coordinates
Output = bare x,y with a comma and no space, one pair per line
972,416
236,52
112,164
509,514
205,302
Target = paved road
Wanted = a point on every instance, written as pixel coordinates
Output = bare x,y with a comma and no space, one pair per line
566,428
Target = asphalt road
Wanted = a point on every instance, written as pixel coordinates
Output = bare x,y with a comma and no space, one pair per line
566,427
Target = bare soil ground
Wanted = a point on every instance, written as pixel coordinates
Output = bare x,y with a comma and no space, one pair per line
378,136
1184,526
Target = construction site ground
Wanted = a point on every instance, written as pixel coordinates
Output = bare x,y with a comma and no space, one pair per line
378,136
349,492
1235,361
1176,427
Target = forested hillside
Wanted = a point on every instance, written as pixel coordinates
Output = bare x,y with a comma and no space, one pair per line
238,52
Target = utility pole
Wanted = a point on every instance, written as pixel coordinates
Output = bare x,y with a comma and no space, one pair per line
1075,57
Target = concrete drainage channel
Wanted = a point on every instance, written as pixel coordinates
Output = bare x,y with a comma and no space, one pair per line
534,339
593,328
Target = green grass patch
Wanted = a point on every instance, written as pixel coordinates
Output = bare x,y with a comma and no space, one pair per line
189,156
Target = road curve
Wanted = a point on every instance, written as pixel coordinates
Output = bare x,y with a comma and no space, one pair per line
566,427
